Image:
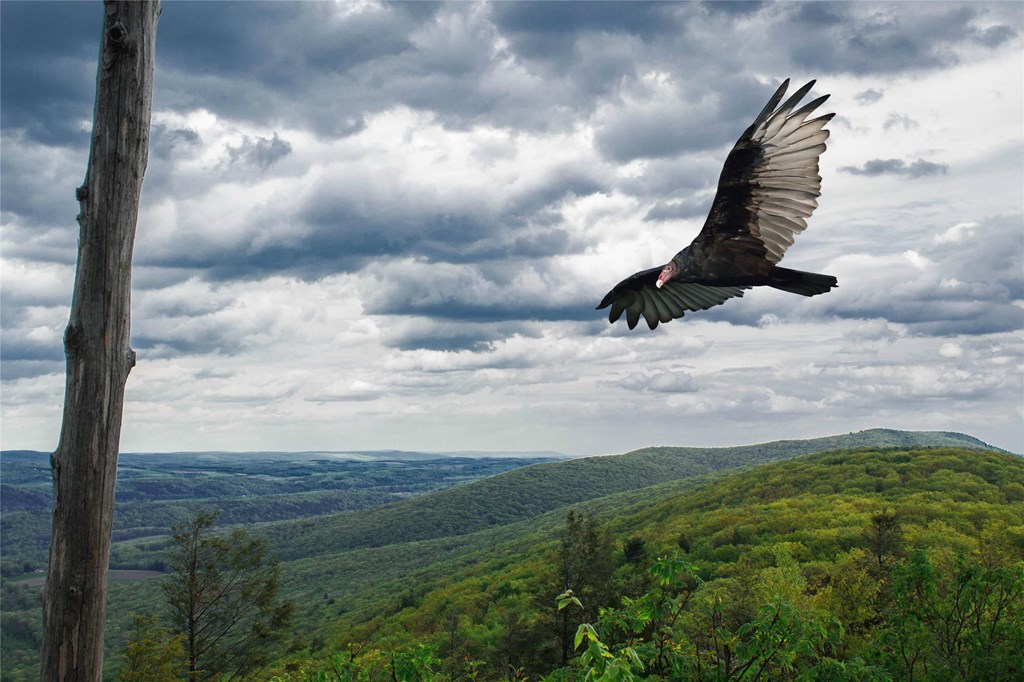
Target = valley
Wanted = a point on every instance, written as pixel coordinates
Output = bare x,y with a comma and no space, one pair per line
436,570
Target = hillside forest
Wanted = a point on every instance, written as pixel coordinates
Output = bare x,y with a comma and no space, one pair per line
880,555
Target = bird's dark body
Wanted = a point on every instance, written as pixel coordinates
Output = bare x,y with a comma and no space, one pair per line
768,187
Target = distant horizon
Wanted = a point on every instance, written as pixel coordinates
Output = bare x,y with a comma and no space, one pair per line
526,454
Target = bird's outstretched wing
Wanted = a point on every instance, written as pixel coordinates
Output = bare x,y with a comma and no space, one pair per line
770,183
637,295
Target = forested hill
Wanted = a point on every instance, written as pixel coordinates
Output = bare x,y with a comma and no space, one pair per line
479,555
155,491
530,491
868,564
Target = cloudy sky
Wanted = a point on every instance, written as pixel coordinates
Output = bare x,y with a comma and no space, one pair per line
372,225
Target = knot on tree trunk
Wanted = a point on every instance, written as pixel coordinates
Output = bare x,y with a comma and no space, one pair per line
117,35
72,337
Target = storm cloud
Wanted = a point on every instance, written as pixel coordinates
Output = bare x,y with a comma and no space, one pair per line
387,224
915,169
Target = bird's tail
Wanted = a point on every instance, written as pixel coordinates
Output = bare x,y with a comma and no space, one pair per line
803,283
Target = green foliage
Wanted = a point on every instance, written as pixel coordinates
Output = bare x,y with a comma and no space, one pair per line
222,595
596,659
885,538
781,568
815,546
529,492
584,565
21,628
962,621
152,653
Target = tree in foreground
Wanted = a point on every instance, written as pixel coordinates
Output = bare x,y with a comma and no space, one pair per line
223,597
584,566
96,344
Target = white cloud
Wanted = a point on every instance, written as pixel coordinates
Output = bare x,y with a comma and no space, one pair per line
390,230
957,233
951,350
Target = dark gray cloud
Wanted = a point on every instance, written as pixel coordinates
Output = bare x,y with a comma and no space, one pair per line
916,169
420,333
548,29
562,18
739,8
48,70
260,152
501,310
940,288
994,36
869,96
676,210
12,369
37,185
18,347
870,38
688,118
902,120
819,14
163,140
32,319
162,345
242,60
350,220
469,337
664,130
328,66
507,291
236,58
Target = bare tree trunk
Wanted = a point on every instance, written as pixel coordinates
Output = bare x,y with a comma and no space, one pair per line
96,343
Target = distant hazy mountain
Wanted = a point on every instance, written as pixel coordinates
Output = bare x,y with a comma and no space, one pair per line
226,456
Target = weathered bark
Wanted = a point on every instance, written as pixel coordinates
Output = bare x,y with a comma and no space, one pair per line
96,343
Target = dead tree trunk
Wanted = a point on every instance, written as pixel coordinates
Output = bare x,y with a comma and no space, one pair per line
96,344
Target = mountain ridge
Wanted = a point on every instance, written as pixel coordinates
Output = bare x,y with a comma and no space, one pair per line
386,454
552,485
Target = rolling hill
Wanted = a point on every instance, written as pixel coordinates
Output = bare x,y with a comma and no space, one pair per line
380,575
533,490
801,529
155,491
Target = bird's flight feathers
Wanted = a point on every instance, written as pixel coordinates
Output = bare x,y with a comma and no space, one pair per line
768,188
637,295
770,183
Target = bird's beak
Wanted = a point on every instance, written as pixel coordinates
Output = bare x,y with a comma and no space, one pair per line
659,283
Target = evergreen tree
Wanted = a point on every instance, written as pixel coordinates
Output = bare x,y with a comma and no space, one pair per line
885,538
585,569
223,596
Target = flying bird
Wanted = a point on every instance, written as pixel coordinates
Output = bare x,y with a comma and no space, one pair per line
768,188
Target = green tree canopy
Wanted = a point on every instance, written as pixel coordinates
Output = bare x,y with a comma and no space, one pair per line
223,597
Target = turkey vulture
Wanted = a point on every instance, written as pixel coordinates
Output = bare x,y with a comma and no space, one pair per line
767,189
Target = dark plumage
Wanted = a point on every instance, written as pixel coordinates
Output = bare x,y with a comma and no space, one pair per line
768,188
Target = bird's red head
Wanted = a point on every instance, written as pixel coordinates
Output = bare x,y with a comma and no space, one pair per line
667,273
